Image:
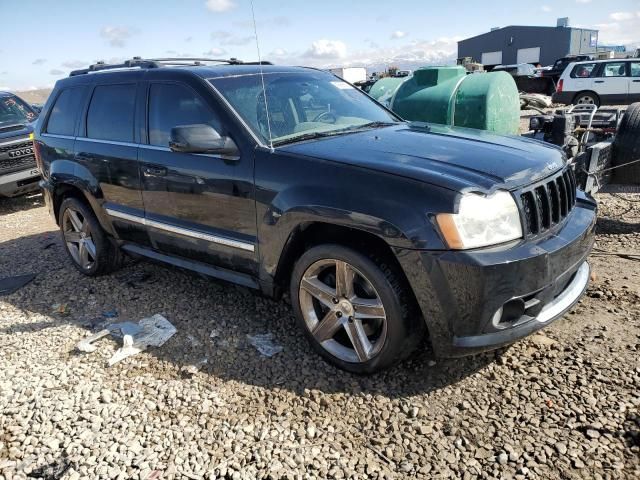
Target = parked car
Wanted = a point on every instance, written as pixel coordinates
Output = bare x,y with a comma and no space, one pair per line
600,82
527,78
561,64
18,171
381,231
517,70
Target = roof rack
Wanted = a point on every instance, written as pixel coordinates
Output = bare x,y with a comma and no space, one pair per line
144,63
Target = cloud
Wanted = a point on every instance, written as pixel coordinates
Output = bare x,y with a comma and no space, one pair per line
228,38
39,61
624,29
188,39
74,64
327,50
622,16
215,52
220,6
398,34
278,52
546,8
55,71
583,1
117,36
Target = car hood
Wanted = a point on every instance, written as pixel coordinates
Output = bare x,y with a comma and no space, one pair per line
460,159
9,130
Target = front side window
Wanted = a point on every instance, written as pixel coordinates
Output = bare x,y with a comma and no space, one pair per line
172,105
617,69
111,113
14,111
300,105
583,71
635,69
64,114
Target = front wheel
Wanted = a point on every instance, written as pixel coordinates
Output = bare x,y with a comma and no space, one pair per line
355,312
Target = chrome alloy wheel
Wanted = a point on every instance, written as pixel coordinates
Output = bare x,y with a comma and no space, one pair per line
586,100
343,311
77,236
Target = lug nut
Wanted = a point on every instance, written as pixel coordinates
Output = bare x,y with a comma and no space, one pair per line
335,300
339,314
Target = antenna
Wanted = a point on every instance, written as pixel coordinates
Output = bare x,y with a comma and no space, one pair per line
264,89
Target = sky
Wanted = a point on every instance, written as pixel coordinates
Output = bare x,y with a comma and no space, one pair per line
42,40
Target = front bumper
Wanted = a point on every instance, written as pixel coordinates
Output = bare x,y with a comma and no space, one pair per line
479,300
17,183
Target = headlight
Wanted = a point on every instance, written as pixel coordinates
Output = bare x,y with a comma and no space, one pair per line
481,221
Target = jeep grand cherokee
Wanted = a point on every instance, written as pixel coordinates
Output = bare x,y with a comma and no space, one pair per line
289,179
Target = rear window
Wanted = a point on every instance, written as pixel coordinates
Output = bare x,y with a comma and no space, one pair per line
583,71
615,69
64,114
111,113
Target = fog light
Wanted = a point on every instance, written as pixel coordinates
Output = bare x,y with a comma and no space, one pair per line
509,313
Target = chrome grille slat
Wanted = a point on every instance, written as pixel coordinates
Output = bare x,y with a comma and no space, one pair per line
547,203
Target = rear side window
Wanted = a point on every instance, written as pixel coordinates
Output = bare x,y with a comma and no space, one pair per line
617,69
111,113
635,69
64,114
583,71
171,105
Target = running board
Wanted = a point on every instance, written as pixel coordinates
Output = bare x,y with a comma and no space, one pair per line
209,270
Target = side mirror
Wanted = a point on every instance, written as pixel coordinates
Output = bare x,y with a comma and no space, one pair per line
201,138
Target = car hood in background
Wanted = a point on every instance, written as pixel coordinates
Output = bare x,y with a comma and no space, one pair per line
8,131
461,159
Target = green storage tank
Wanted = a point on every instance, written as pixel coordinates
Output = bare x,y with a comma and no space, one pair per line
447,95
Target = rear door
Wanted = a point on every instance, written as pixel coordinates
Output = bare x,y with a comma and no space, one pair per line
634,85
611,82
107,147
197,206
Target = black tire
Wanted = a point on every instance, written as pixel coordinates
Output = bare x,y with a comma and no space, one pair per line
626,147
586,98
107,257
404,325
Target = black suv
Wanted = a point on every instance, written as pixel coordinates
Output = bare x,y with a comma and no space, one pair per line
18,171
289,179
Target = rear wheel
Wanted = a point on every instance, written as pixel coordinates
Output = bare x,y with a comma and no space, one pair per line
85,241
586,98
626,147
355,312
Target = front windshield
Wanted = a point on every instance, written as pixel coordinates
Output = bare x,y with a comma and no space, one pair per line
15,111
301,104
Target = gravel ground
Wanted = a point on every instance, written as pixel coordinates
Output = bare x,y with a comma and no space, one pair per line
561,404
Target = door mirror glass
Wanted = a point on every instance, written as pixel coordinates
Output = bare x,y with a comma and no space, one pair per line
201,138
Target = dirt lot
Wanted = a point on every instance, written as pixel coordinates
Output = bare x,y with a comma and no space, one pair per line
561,404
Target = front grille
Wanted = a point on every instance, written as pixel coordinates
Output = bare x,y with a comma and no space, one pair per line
13,164
15,146
548,203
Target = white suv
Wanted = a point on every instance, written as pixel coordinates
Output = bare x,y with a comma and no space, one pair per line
601,82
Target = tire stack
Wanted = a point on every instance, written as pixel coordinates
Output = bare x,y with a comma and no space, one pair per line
626,148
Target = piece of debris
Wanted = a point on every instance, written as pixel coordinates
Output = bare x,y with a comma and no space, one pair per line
110,314
10,285
62,309
534,101
134,280
263,342
136,337
214,334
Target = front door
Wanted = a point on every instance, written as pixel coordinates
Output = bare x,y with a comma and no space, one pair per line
612,83
197,206
634,85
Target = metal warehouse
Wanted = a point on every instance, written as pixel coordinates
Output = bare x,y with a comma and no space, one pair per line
526,44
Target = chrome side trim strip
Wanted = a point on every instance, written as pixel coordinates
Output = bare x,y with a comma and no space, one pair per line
126,216
108,142
568,297
55,135
249,247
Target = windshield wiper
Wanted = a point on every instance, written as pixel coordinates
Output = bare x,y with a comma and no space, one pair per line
333,133
304,136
